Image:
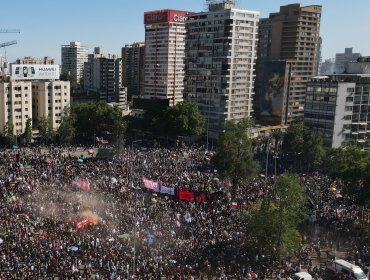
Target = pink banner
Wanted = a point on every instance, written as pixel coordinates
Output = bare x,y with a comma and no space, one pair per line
151,185
83,184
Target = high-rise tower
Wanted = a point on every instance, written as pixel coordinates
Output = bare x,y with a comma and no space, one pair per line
221,51
288,55
164,55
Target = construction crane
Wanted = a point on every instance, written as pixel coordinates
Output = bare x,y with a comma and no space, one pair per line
3,45
10,31
4,65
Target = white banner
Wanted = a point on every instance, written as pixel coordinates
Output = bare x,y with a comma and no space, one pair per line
35,72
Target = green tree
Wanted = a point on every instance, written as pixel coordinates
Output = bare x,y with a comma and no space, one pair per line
120,126
313,150
96,120
66,129
27,135
273,223
183,119
351,165
293,141
9,132
234,156
46,130
299,140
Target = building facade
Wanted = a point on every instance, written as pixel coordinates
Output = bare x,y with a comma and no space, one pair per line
103,75
338,106
74,56
290,35
341,60
50,99
15,105
164,55
221,51
31,60
133,61
360,66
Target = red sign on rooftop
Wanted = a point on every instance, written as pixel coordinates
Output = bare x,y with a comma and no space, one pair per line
165,16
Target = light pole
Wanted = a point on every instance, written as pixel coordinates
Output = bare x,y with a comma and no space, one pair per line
267,157
134,217
275,157
208,115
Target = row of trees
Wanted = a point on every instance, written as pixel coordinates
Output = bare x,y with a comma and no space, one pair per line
183,119
80,124
9,138
84,122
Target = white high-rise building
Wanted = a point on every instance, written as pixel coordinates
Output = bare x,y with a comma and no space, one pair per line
15,105
164,55
221,52
74,56
337,106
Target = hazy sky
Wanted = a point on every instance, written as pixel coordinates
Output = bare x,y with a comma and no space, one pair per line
47,24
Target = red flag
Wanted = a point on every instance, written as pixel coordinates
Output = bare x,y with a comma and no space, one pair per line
186,195
233,205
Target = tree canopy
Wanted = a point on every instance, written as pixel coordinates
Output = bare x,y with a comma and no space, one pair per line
351,165
273,223
97,120
67,129
234,156
299,140
183,119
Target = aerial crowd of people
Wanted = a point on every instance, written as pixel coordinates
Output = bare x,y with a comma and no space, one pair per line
91,218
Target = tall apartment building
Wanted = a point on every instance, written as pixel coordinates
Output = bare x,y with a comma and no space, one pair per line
341,60
221,51
103,75
31,60
290,36
164,55
74,56
49,99
133,61
15,104
338,106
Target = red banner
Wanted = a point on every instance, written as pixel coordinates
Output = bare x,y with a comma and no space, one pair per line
186,195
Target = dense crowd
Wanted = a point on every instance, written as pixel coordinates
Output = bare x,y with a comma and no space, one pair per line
131,230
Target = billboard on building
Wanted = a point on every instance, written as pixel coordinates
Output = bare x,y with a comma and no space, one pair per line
35,72
271,90
165,16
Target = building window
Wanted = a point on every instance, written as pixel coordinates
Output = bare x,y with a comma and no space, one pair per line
348,108
350,89
348,117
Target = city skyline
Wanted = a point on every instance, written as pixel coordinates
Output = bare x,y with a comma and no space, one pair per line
44,30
